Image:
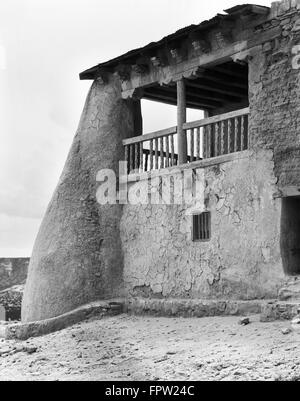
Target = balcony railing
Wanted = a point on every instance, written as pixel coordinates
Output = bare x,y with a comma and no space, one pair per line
206,138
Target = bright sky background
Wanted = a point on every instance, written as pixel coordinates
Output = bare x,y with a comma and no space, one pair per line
44,44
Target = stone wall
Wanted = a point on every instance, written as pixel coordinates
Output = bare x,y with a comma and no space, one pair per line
241,261
274,93
13,271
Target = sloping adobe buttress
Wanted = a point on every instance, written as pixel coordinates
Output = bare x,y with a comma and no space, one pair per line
77,255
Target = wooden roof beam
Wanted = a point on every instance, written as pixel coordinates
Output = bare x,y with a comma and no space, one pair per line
218,88
207,93
173,102
211,95
215,76
204,94
231,72
200,42
193,98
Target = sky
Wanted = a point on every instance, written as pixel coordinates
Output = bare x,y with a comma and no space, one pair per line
44,44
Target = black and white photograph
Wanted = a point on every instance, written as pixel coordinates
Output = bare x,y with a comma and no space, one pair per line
149,193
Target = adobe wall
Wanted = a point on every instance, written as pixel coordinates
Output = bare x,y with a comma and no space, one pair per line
243,258
241,261
275,93
77,256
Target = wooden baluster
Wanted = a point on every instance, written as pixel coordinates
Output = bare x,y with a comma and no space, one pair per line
207,139
207,226
222,145
172,150
247,131
167,151
198,134
146,160
151,154
141,157
127,157
136,154
208,133
216,139
131,153
161,140
202,225
242,132
192,132
236,129
228,136
202,143
156,153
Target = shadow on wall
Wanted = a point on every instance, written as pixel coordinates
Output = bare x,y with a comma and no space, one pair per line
290,235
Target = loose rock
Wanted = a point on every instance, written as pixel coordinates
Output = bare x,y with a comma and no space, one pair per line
30,349
244,321
296,320
286,331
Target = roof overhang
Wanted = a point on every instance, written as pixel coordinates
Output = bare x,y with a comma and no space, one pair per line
223,20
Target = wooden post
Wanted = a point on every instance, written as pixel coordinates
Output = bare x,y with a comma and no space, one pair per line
138,119
181,119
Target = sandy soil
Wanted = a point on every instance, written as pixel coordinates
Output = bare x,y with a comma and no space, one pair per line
147,348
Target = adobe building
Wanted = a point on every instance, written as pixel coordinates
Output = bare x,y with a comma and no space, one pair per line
239,239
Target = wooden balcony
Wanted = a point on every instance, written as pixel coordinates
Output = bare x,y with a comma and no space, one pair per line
203,139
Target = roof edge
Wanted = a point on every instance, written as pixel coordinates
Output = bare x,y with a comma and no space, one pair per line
233,12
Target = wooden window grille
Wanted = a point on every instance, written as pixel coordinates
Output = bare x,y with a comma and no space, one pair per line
202,226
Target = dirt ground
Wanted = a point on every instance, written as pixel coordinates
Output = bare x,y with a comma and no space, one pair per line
148,348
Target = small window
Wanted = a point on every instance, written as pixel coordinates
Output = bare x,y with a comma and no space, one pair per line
201,226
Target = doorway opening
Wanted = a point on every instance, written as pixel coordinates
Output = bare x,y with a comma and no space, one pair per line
290,235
